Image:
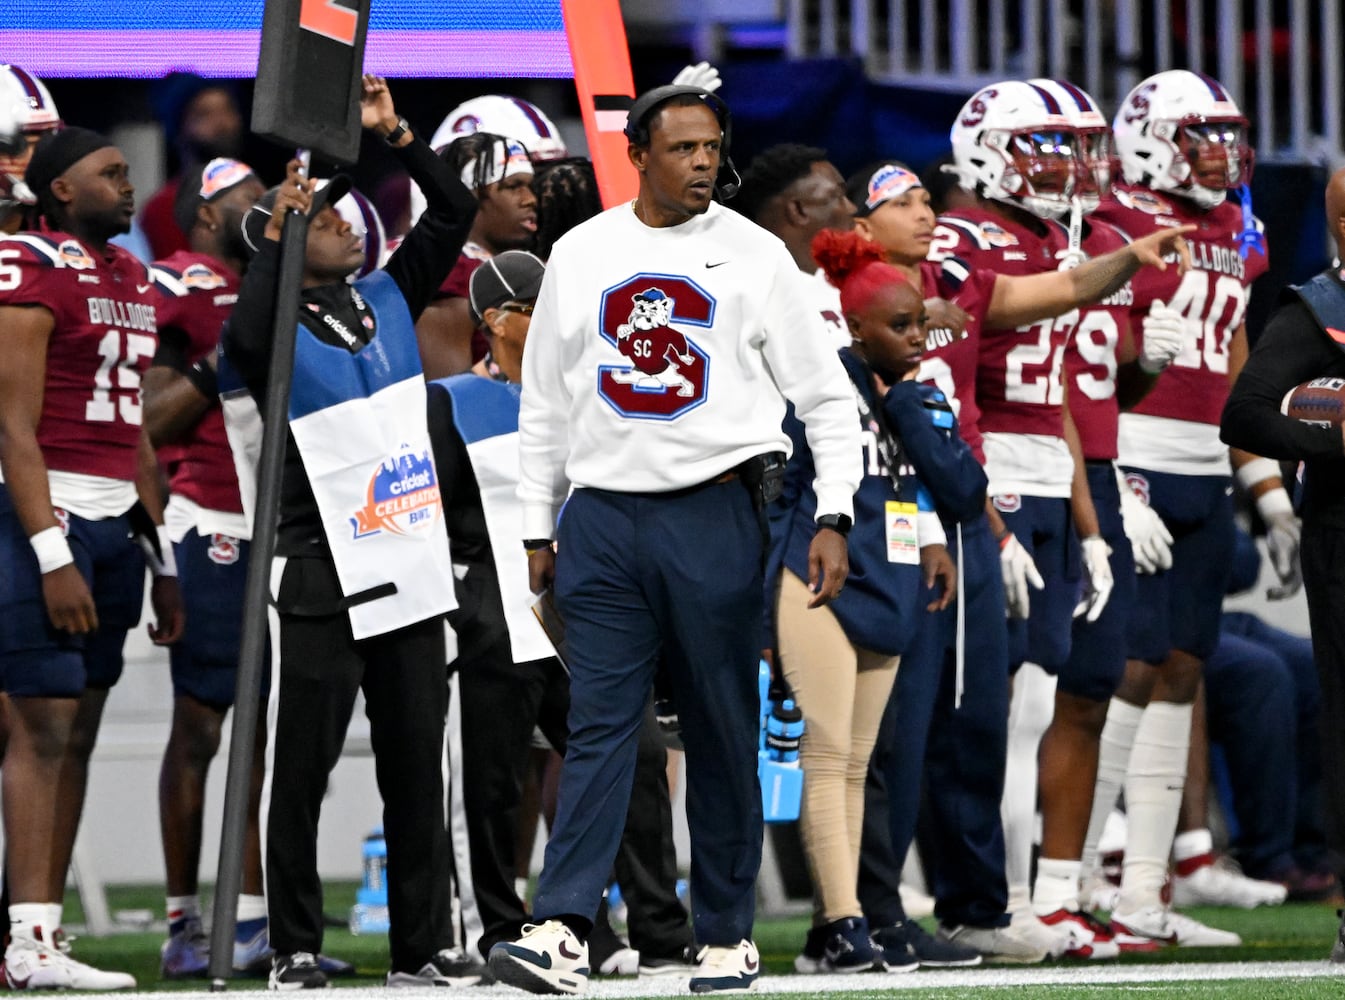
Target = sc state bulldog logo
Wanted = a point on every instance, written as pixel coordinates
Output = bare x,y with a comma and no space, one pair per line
224,550
667,374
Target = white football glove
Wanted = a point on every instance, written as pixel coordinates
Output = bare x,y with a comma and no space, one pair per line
1282,536
1164,333
1020,572
1097,582
702,75
1149,536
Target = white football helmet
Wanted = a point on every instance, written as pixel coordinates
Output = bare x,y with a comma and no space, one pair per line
511,117
1171,121
26,109
1093,140
1012,142
26,99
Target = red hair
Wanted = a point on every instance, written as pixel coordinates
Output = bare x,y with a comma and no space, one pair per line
858,267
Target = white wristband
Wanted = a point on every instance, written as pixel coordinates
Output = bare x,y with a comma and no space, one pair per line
163,562
1273,502
1256,471
51,549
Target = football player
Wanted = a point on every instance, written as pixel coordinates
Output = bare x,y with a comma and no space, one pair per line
79,475
894,211
1101,366
27,113
1182,145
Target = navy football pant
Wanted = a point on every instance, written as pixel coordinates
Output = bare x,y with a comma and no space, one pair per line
1043,526
1180,607
1097,657
958,752
38,661
637,574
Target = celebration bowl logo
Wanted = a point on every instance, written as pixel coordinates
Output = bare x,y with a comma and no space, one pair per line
402,499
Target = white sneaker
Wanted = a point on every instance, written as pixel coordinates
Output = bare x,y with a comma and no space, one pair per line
548,958
999,945
1089,938
1223,884
1027,926
732,969
31,964
1158,923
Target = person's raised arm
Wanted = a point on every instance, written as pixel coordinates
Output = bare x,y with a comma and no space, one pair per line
1022,299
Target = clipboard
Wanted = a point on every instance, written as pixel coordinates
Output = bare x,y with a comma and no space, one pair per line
549,617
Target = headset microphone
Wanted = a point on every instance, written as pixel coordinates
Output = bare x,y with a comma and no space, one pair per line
727,181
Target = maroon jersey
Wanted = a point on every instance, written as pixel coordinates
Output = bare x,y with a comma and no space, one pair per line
1212,296
1093,335
1018,374
950,356
197,293
103,340
458,285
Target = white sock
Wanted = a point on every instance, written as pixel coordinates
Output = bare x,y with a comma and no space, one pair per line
24,918
55,913
1031,709
182,907
1192,844
1118,737
251,907
1057,886
1154,786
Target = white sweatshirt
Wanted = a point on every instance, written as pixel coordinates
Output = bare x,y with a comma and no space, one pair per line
661,358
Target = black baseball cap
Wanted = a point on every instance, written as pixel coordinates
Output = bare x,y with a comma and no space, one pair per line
512,276
328,192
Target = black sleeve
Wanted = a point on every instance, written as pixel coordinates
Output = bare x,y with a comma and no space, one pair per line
246,338
172,351
450,453
422,262
1292,349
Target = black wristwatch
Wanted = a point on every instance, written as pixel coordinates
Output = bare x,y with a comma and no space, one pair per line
839,523
531,545
403,127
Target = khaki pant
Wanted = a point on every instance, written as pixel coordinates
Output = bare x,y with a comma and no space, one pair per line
843,691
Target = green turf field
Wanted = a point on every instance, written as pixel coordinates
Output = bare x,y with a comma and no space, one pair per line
1297,933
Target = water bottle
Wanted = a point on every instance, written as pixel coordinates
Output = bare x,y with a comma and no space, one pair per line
369,915
784,730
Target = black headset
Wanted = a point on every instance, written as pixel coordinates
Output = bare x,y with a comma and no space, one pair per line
637,127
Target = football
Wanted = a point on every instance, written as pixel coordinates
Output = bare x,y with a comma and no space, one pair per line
1319,401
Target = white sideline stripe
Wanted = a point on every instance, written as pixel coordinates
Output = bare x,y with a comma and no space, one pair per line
984,978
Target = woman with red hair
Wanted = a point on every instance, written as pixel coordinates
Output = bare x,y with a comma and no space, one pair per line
841,659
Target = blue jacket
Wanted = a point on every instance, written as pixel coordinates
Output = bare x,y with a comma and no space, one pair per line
879,606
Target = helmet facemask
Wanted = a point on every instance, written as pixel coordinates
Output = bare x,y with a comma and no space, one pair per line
1041,169
1215,147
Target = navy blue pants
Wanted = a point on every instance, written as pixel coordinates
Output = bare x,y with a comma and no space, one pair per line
1180,607
1097,657
212,572
1262,699
1043,526
959,753
37,660
637,574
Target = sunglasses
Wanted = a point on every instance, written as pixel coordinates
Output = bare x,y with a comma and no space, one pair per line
522,308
